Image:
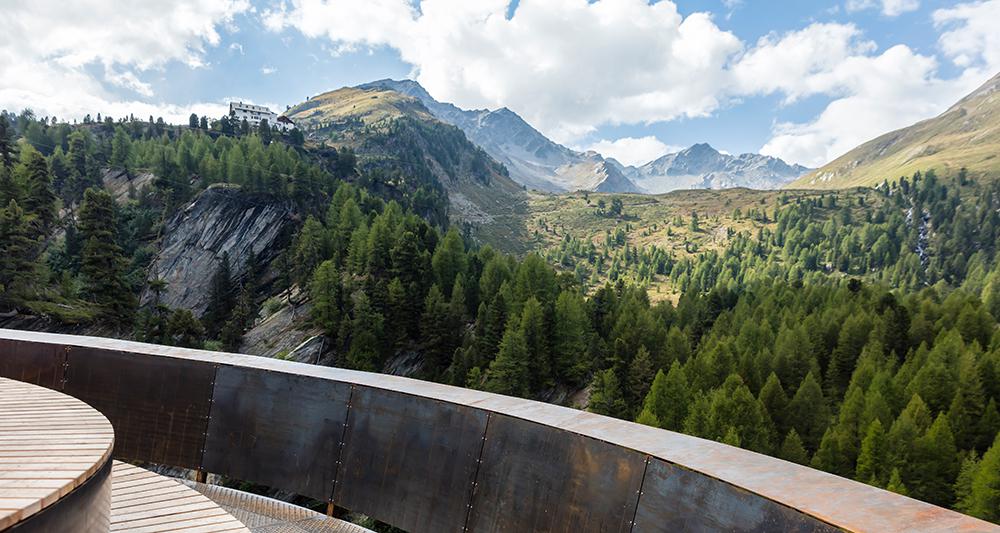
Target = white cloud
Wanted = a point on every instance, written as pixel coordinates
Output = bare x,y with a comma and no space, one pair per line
571,66
267,70
565,65
632,150
890,8
972,38
47,47
894,8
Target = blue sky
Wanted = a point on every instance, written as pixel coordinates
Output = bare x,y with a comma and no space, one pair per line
629,79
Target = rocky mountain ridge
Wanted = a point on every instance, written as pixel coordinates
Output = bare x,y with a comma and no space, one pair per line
703,167
531,158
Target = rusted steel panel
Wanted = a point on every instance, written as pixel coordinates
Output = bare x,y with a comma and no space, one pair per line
158,405
39,363
676,499
538,478
276,429
409,461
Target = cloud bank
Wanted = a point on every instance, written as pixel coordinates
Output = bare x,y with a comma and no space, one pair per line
571,66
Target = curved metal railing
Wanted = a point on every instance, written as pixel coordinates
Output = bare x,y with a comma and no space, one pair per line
429,457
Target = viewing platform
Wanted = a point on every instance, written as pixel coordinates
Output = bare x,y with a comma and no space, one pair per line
426,457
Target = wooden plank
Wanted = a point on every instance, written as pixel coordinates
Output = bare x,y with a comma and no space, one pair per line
50,443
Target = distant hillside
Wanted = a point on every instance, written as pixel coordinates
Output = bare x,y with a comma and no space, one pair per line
532,159
704,167
401,144
966,135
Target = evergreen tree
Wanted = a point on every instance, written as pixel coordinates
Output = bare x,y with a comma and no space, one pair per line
6,145
606,395
508,373
807,412
792,449
40,200
984,496
193,121
102,261
17,252
438,330
873,459
896,483
120,145
448,261
326,297
570,338
365,351
668,397
221,297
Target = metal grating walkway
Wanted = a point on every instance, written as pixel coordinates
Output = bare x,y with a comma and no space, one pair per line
266,515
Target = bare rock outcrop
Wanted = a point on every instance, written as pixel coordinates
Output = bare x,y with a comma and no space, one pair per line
220,220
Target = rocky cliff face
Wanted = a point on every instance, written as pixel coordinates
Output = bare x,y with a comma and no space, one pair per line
220,220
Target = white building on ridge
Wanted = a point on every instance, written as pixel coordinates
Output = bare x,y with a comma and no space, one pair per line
256,113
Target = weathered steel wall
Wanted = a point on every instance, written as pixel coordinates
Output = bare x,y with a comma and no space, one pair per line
276,429
426,457
674,499
158,405
539,478
38,363
409,461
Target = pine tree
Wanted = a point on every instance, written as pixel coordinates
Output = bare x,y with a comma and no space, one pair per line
366,328
963,484
935,464
17,252
807,412
668,397
772,396
40,200
102,261
536,337
438,330
968,405
221,297
792,449
264,130
873,457
308,251
193,121
896,483
570,338
6,150
326,295
606,395
120,145
984,497
183,329
508,373
449,260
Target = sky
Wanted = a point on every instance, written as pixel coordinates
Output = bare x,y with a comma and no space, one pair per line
633,79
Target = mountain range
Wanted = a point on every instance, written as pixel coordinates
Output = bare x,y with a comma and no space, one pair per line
537,162
704,167
966,135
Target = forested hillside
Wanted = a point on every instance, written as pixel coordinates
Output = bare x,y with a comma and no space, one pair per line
855,332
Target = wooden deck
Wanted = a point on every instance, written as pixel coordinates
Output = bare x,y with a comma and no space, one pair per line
50,444
146,502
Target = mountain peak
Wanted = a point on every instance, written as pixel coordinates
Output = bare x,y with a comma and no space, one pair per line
701,148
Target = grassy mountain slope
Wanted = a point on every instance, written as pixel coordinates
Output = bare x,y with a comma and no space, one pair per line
401,144
564,226
966,135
